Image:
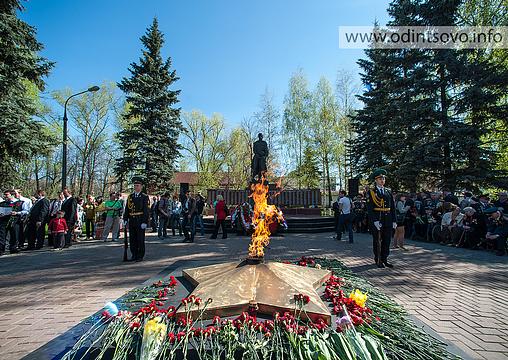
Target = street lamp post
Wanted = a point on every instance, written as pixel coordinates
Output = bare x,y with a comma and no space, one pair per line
64,148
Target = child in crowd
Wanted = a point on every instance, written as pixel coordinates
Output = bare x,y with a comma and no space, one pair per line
58,227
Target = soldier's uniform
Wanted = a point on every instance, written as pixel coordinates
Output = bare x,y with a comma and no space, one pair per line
137,214
381,208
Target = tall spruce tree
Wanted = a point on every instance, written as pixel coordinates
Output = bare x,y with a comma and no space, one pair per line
470,90
373,147
21,70
308,172
428,112
149,140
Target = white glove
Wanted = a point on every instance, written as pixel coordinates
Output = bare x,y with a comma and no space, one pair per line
394,225
377,224
143,226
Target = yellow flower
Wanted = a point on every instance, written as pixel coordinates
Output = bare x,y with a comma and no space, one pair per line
154,327
358,297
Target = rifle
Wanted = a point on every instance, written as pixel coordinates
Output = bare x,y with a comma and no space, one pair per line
379,260
125,243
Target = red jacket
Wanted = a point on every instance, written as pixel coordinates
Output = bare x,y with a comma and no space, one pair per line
220,210
58,225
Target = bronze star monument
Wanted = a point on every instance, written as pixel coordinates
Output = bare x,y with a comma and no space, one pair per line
253,284
270,286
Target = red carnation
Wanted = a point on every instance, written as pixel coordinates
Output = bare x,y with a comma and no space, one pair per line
135,325
172,337
106,315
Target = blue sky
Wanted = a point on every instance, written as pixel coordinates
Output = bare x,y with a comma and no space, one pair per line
225,52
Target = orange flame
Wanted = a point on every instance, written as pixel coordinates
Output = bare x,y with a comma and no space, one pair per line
264,215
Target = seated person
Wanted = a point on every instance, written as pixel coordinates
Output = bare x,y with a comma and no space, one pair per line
470,236
449,224
497,229
430,219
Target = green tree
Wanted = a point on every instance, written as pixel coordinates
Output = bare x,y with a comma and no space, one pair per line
206,142
322,125
21,70
470,89
346,90
297,113
238,162
308,172
427,111
149,143
371,123
268,118
90,116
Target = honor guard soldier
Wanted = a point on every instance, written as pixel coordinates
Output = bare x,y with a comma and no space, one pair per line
137,216
382,221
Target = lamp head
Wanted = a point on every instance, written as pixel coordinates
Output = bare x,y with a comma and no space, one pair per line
94,88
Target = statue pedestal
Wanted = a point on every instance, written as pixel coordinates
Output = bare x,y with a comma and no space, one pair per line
271,186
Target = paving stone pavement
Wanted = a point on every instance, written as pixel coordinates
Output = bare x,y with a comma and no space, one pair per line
460,294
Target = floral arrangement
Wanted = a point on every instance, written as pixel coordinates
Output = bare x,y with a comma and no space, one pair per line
369,326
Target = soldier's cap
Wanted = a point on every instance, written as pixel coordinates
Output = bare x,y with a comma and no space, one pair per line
490,210
378,173
468,208
429,208
137,180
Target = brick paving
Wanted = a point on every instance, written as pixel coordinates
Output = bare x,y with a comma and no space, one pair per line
460,294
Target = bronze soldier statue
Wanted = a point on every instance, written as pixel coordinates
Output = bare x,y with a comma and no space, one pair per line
137,216
260,149
381,213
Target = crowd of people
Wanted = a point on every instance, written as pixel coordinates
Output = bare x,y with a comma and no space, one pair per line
474,222
26,223
30,223
182,215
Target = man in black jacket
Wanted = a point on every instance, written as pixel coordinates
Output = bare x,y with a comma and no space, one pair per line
189,213
69,207
37,218
136,214
381,210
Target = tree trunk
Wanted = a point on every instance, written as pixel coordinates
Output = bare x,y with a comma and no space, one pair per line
37,184
447,161
328,184
105,180
300,140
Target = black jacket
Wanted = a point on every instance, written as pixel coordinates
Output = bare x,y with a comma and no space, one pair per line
39,211
386,218
70,207
137,206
